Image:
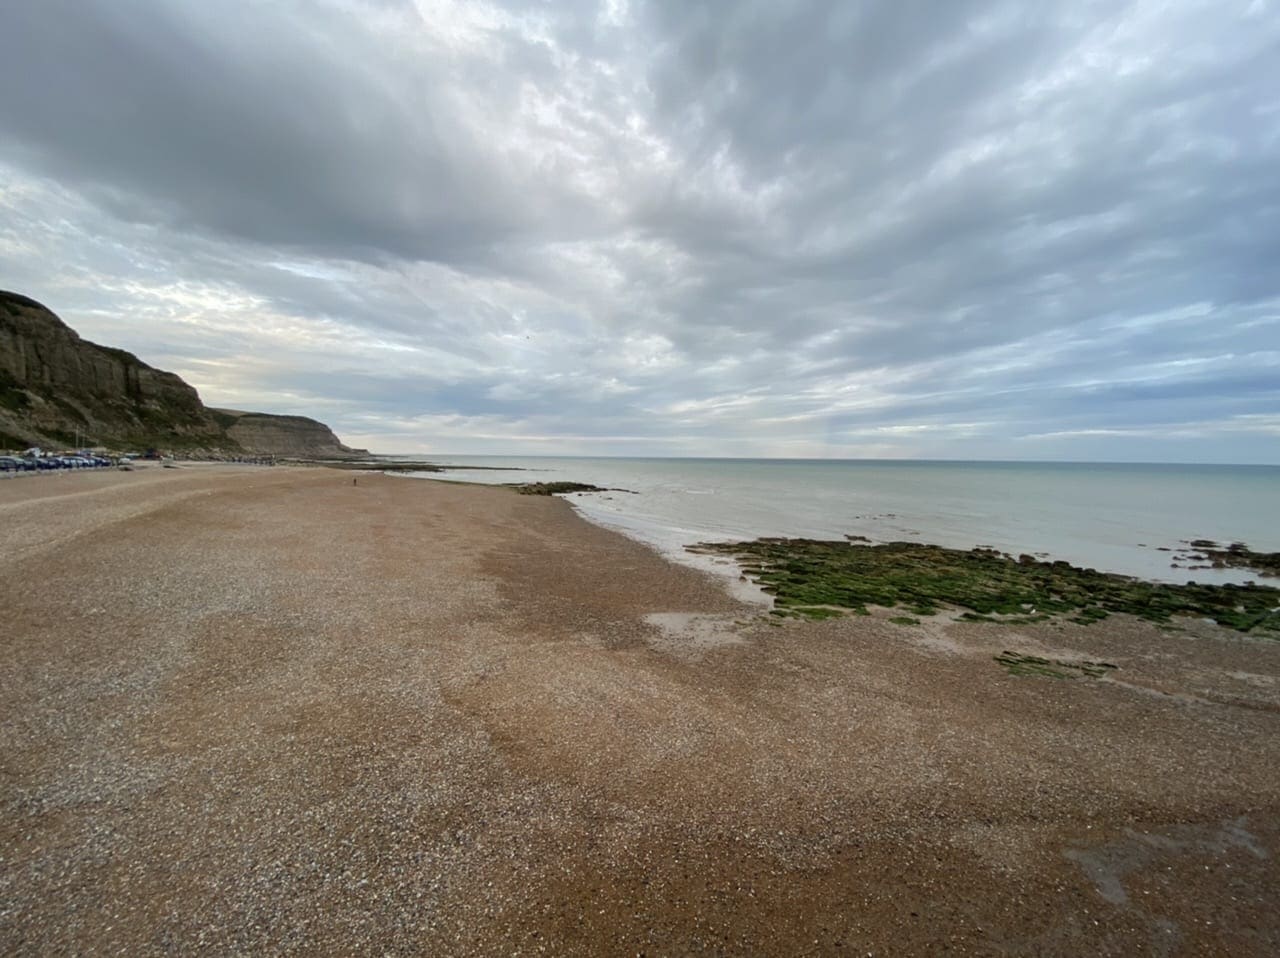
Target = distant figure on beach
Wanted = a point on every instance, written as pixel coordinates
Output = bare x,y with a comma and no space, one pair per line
355,480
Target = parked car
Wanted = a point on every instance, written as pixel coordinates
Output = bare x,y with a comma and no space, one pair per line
46,463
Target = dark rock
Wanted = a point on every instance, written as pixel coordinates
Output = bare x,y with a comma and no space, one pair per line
556,488
57,389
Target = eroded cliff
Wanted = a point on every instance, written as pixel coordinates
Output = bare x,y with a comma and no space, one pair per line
260,433
57,389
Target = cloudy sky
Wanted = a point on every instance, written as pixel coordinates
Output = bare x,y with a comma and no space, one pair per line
962,229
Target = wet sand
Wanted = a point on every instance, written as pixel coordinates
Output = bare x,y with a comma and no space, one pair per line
269,711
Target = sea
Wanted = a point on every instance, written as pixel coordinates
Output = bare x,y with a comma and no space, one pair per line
1135,519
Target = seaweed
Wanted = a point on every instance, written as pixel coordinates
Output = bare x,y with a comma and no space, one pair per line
1019,663
807,574
1237,556
555,488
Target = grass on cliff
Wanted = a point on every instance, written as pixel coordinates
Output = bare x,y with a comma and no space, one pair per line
9,441
808,578
12,302
12,395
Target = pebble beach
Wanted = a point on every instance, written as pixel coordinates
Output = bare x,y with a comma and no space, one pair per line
249,710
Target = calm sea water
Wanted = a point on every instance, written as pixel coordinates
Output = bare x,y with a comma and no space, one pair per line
1114,517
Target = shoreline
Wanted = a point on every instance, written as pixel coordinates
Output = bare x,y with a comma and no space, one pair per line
1226,564
268,709
1126,521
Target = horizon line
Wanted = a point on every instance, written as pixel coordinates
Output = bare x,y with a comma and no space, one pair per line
867,459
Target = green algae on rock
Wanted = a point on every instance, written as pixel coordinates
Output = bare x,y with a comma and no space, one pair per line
554,488
808,578
1019,663
1235,556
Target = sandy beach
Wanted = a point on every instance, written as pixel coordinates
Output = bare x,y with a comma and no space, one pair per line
253,710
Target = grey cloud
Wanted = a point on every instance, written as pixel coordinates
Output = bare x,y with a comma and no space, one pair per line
287,125
726,228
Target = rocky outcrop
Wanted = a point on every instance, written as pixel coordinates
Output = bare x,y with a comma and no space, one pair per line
58,390
297,437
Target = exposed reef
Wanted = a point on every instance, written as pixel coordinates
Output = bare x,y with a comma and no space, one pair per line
556,488
815,579
375,466
1211,555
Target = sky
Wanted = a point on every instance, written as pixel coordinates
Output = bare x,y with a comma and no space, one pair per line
979,229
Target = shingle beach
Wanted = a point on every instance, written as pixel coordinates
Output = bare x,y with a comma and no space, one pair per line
249,710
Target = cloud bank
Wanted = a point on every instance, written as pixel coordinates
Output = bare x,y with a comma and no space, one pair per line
978,229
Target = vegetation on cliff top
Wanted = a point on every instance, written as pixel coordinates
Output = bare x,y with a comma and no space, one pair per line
810,578
12,302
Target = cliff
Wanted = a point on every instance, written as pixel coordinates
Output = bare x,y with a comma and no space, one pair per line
295,437
57,389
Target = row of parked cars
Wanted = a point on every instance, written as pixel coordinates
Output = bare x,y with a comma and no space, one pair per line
33,464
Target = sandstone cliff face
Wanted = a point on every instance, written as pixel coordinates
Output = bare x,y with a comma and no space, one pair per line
56,388
290,436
